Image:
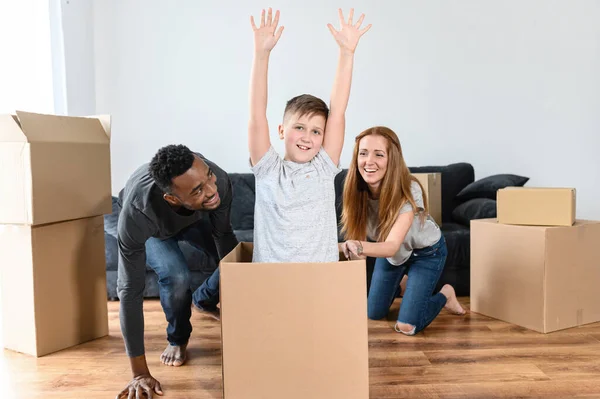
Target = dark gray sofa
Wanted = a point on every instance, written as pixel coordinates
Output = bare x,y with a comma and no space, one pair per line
454,178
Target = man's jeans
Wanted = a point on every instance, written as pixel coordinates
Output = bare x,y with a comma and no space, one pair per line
167,260
419,307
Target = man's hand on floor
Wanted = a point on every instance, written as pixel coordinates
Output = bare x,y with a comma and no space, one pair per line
140,385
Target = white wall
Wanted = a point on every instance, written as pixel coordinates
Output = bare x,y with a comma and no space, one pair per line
78,54
510,86
26,69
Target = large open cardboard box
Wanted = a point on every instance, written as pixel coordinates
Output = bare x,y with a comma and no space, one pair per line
293,330
541,278
53,168
432,184
53,285
55,187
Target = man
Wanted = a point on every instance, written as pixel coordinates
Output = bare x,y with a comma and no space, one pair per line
161,203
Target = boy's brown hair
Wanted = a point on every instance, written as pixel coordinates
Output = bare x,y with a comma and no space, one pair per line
306,104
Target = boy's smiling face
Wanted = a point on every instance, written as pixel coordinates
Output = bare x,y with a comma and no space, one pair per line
303,136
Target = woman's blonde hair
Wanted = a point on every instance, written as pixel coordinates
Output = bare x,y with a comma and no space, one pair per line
394,193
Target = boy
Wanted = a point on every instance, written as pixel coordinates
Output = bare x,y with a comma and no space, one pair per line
295,218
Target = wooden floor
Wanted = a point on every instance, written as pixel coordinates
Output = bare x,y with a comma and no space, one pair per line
455,357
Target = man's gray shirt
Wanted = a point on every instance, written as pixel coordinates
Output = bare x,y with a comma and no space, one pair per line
144,214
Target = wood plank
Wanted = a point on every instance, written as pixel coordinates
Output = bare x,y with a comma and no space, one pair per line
490,390
456,374
533,355
567,371
592,328
595,336
423,342
397,358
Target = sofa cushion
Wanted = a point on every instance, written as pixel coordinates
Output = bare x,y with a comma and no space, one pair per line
450,227
244,235
458,242
110,251
457,268
488,186
242,207
111,220
476,208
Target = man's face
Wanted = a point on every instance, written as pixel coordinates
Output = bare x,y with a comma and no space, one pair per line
196,189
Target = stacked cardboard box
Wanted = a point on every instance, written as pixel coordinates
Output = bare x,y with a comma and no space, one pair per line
54,189
293,330
536,266
432,185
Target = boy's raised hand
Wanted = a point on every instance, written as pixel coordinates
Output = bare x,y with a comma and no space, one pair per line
347,37
266,35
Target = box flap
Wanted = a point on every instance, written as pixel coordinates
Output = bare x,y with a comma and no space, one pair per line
10,130
66,129
106,121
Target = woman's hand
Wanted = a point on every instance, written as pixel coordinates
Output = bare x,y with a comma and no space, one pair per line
353,250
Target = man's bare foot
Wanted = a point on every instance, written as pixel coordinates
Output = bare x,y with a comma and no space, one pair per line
214,314
174,355
451,302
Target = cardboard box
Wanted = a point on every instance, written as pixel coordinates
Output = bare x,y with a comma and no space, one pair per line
432,184
53,285
53,168
293,330
541,278
536,206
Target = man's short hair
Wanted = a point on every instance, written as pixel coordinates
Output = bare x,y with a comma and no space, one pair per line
168,163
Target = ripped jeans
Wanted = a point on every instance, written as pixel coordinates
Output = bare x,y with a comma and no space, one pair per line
419,305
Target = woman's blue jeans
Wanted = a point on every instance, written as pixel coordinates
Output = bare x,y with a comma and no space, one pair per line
419,305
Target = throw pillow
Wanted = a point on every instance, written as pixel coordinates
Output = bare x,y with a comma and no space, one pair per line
476,208
488,186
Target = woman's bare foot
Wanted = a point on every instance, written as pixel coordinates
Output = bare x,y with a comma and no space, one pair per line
451,302
174,355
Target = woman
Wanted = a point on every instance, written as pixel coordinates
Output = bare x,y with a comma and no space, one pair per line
385,217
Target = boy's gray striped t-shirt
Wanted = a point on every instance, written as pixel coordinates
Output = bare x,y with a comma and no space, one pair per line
294,214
